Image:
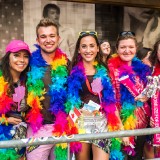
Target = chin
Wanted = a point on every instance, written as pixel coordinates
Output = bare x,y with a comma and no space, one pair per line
20,70
88,60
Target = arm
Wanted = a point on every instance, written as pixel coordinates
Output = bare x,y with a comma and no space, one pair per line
149,90
9,120
13,120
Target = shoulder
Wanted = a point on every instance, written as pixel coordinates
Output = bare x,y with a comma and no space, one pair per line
140,66
114,62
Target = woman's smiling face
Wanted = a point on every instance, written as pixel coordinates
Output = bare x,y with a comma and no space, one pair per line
127,49
18,61
88,49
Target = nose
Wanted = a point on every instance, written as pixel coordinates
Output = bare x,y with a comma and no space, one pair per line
127,49
88,49
48,39
56,15
22,59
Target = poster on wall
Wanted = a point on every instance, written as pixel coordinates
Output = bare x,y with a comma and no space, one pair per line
20,17
71,17
144,22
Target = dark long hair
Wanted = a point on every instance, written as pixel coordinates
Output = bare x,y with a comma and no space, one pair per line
143,52
7,74
76,57
107,40
153,56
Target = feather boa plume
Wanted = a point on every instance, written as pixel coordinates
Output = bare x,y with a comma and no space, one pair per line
75,82
127,101
57,93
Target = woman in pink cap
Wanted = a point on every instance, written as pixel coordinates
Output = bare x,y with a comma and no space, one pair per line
14,66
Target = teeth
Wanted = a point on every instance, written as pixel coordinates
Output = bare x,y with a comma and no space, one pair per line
88,54
49,45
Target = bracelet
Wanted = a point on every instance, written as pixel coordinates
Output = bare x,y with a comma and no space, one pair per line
4,120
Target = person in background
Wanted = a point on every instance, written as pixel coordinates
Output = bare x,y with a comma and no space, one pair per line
143,54
90,94
128,75
152,91
67,36
46,84
105,47
13,70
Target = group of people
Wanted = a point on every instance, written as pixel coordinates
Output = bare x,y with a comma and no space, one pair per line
44,94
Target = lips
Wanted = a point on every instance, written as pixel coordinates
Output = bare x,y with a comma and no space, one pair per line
105,50
88,55
49,45
21,65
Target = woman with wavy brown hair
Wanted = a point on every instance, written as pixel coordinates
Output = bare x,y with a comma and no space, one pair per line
14,67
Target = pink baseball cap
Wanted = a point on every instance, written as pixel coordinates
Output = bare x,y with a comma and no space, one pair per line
16,46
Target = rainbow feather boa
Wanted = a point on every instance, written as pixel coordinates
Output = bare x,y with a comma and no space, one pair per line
75,82
5,129
127,99
57,93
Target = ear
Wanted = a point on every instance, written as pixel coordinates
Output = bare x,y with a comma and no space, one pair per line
37,40
59,38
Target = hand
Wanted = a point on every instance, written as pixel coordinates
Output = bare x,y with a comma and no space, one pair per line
86,112
141,98
125,141
152,32
151,122
14,121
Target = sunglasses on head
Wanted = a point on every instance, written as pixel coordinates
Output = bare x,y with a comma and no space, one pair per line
125,33
87,33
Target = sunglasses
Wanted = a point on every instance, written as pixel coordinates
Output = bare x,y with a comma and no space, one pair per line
87,33
126,33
